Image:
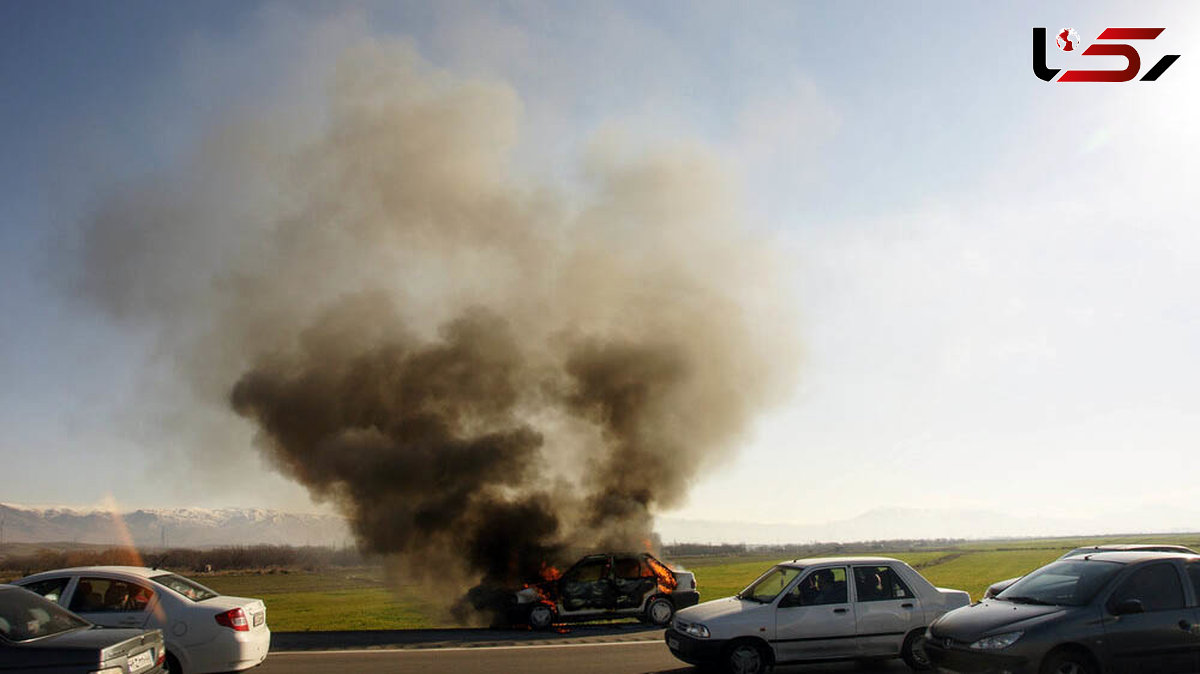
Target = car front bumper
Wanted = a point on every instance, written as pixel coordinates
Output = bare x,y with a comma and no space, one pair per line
692,650
955,659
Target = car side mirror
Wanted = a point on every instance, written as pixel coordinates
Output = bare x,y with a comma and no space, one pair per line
1128,606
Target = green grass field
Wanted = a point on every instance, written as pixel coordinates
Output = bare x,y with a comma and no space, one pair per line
359,599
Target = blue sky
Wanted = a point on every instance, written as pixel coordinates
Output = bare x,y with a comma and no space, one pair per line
995,277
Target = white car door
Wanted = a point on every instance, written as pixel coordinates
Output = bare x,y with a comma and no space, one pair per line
112,602
815,619
886,609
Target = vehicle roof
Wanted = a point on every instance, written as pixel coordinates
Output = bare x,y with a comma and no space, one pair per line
1114,547
813,561
618,553
1132,556
141,571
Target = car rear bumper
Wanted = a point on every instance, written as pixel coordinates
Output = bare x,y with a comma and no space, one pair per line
692,650
231,651
685,599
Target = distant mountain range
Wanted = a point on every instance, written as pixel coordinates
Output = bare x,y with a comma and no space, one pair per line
171,527
203,527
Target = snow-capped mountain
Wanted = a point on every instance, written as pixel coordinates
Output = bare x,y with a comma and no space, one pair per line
170,527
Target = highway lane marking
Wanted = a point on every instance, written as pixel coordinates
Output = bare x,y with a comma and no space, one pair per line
460,648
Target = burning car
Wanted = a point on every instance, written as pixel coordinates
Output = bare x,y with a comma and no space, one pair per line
609,585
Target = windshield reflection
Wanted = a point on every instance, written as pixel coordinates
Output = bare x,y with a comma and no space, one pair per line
770,584
1062,583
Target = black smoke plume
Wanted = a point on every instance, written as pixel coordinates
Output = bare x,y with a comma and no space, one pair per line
481,369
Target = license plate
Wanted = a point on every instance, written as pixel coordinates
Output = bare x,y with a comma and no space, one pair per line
143,660
259,619
672,643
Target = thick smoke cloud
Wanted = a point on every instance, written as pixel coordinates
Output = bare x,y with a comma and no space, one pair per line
481,371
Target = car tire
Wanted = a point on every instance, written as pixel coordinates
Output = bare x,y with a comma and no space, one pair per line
1067,661
541,616
746,657
172,664
913,651
659,611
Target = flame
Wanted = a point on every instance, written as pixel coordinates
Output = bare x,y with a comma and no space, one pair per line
666,579
549,573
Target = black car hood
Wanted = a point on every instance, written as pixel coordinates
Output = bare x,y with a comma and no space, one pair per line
992,616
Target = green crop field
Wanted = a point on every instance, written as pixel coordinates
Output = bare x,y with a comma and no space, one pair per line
360,599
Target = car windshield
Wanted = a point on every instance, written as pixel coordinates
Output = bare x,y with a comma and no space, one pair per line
188,588
1064,583
770,584
25,616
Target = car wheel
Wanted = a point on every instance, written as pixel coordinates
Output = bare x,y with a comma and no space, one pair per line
659,611
541,616
913,651
172,664
1067,662
747,657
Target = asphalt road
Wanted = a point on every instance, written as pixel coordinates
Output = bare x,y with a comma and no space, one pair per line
637,657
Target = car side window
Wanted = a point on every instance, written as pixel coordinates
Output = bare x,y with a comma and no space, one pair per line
821,587
588,572
628,568
1193,571
879,583
106,595
51,589
1157,586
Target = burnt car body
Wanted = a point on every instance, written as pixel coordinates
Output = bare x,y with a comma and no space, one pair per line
607,585
37,635
1099,613
1001,585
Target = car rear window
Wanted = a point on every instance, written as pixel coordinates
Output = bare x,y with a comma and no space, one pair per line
188,588
25,616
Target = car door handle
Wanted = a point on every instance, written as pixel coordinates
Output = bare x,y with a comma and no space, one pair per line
839,610
906,605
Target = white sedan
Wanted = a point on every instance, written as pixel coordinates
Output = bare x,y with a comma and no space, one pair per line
832,608
204,631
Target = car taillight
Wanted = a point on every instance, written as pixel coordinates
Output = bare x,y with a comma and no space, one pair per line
162,656
234,619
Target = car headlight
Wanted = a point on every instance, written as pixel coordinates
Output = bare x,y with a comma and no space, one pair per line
997,641
696,630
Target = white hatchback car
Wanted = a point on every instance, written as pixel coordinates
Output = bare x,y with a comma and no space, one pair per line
830,608
204,631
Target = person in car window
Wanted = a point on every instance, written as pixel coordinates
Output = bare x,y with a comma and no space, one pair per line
831,592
